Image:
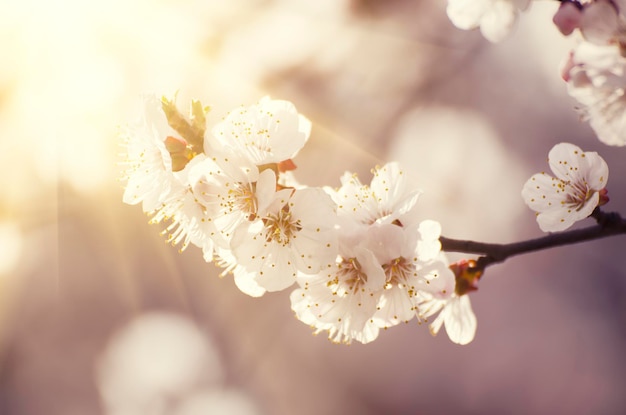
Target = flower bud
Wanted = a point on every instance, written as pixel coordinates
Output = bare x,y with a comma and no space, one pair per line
604,197
467,274
567,18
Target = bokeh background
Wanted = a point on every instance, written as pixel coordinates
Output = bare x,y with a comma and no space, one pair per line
99,316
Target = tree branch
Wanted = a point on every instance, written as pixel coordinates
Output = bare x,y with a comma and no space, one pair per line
608,224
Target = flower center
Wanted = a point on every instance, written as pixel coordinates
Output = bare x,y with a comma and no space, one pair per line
350,277
398,272
578,193
242,198
281,227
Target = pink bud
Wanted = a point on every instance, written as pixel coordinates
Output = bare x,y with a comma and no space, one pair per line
567,18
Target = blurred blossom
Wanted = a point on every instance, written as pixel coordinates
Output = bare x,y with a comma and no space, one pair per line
458,160
309,25
547,45
495,18
10,246
227,402
72,72
152,362
595,77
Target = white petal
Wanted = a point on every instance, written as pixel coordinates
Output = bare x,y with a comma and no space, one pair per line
438,279
385,241
429,246
265,191
564,160
467,14
430,229
499,22
268,132
460,320
247,284
278,271
396,306
609,121
599,22
556,220
597,171
543,192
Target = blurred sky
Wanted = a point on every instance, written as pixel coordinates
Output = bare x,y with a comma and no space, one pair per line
99,316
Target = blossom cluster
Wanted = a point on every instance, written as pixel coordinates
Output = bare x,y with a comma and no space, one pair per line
595,70
359,259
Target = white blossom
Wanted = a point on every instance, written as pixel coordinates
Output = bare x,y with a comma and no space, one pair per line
342,299
388,198
386,262
572,193
452,303
603,22
296,234
147,164
166,195
360,258
495,18
245,281
234,192
409,258
189,221
268,132
378,281
595,70
596,77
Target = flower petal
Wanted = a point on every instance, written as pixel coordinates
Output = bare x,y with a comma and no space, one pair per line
460,320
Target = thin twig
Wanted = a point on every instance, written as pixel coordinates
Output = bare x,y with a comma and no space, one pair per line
609,224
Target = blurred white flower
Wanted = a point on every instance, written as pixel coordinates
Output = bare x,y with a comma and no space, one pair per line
154,361
218,401
12,243
603,22
575,191
596,77
495,18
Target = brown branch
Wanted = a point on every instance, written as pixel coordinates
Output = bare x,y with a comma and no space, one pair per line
608,224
